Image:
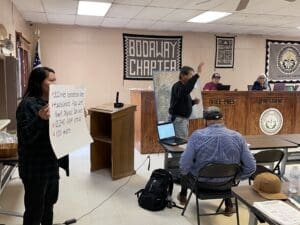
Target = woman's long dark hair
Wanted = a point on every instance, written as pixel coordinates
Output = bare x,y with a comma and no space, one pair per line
36,78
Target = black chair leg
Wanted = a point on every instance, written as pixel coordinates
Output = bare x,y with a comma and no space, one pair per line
219,207
237,211
198,213
187,202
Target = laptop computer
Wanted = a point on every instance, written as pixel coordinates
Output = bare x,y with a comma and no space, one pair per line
223,87
166,134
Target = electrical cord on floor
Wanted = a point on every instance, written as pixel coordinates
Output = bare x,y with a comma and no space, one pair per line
73,220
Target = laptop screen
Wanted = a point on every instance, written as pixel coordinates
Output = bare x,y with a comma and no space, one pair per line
165,130
223,87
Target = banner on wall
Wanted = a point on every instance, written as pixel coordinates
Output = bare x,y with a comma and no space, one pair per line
144,54
282,61
67,125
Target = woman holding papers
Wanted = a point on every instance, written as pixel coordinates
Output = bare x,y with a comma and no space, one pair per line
38,165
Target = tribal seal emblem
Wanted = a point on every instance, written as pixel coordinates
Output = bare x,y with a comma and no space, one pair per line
288,60
271,121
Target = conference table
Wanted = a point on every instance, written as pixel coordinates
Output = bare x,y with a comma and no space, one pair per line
292,157
255,142
248,196
264,142
7,168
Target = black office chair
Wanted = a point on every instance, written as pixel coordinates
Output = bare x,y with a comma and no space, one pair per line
215,190
267,156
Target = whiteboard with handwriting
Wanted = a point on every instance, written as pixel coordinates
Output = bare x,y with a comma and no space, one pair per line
67,125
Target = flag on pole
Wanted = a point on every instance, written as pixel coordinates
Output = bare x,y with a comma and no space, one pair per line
37,60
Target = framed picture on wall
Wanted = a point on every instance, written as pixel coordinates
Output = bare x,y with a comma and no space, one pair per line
224,52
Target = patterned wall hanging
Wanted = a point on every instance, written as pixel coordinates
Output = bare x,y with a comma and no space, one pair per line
144,54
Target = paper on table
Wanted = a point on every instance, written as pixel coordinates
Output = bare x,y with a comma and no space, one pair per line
279,211
67,125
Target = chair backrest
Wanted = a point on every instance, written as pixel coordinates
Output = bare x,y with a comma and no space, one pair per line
279,87
269,156
223,176
219,170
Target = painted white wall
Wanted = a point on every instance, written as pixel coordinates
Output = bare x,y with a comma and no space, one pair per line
13,21
93,57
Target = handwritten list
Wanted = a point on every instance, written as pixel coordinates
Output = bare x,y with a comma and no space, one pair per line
67,125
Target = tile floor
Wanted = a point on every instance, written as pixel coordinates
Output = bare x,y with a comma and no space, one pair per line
83,191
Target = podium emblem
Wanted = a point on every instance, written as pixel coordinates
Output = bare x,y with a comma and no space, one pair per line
271,121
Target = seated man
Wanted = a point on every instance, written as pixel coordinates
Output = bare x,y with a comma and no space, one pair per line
213,84
214,144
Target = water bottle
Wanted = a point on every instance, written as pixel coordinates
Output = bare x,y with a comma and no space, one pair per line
294,180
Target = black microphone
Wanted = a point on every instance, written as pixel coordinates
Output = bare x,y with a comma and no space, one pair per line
117,97
118,104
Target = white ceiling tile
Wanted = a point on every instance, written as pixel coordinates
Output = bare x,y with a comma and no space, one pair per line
153,13
272,17
182,15
35,17
95,0
168,3
265,6
60,7
202,4
61,19
29,5
123,11
139,24
89,20
114,22
163,25
133,2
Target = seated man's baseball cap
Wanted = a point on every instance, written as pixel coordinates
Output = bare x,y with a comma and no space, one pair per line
268,186
212,113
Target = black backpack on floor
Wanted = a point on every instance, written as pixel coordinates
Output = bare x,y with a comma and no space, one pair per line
158,191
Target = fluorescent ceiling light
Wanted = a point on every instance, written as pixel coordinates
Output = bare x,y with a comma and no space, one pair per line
208,16
93,8
298,28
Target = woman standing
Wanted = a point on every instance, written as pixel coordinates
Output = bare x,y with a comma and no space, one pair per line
38,165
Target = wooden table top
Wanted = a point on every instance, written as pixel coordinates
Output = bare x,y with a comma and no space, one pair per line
295,138
9,160
248,196
265,142
174,149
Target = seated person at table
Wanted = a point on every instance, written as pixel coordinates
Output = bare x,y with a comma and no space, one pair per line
214,144
261,84
213,84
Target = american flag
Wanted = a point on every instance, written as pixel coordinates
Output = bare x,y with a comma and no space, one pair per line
37,61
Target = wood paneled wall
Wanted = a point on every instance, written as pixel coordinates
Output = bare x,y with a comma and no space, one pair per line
242,111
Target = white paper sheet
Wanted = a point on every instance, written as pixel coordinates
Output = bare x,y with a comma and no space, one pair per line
67,125
279,211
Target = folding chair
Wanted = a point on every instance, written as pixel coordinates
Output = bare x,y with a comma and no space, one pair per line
215,190
267,156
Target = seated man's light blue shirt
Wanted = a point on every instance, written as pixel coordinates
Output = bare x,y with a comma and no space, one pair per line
217,144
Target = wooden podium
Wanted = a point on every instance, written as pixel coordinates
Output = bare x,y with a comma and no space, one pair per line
113,133
146,138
